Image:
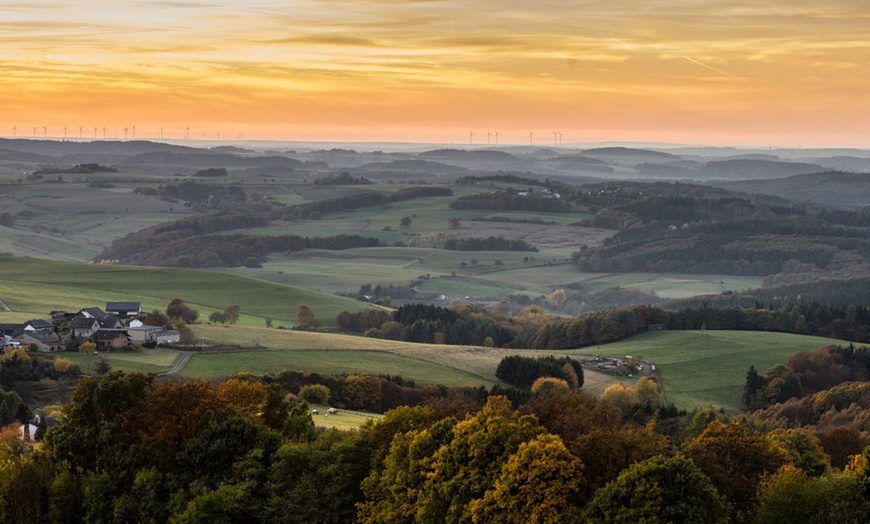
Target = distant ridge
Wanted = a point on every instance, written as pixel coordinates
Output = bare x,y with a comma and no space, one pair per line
627,152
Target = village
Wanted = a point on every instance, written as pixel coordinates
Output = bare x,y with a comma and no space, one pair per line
119,326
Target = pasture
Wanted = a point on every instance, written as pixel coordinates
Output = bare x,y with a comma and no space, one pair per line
333,353
698,368
155,360
344,420
39,286
221,365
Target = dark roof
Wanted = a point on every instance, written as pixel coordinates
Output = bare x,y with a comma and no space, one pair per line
45,338
93,312
38,323
105,319
9,329
109,334
83,322
123,306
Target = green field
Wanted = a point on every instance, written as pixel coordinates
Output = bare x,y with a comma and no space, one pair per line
40,286
343,420
698,368
146,361
221,365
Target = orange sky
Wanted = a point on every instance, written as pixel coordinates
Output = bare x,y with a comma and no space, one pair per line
782,73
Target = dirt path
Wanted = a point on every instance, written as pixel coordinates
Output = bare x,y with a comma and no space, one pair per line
4,307
179,363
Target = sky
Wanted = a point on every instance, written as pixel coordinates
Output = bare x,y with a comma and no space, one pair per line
782,73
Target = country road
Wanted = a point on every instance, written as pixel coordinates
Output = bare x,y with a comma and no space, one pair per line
179,363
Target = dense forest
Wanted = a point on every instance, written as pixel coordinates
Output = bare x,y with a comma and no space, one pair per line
133,448
708,230
512,200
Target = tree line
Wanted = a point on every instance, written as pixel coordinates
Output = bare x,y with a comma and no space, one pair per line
133,448
511,200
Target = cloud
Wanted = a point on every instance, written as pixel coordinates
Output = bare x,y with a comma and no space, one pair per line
442,58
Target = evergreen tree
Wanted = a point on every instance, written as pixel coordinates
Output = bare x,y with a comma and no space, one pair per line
5,416
754,383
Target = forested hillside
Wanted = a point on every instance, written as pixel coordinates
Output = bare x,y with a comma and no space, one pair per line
704,230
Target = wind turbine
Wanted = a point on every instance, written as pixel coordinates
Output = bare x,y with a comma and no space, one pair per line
560,138
187,132
34,131
125,132
471,137
104,131
134,131
496,137
64,132
44,131
531,138
488,136
95,132
80,131
555,138
161,132
14,131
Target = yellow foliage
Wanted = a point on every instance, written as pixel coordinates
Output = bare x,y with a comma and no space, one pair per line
62,365
18,353
247,397
648,391
548,383
87,347
620,395
857,465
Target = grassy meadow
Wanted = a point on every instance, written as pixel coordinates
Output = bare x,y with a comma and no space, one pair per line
698,368
343,420
39,286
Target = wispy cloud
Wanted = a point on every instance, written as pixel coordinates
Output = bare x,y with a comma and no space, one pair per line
438,59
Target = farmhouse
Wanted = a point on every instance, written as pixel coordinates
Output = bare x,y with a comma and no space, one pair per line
156,334
108,339
47,342
83,327
105,319
38,326
124,309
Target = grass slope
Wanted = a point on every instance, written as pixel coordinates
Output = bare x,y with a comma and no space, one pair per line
39,286
344,419
699,368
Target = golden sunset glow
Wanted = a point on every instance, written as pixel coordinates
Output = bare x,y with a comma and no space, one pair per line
699,71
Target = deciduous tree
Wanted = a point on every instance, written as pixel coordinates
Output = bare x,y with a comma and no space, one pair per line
541,482
736,461
304,316
660,489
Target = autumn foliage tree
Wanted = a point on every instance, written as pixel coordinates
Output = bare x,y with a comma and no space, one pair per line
736,461
541,482
661,489
304,316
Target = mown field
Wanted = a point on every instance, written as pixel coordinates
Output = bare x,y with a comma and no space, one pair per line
40,286
344,419
698,368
